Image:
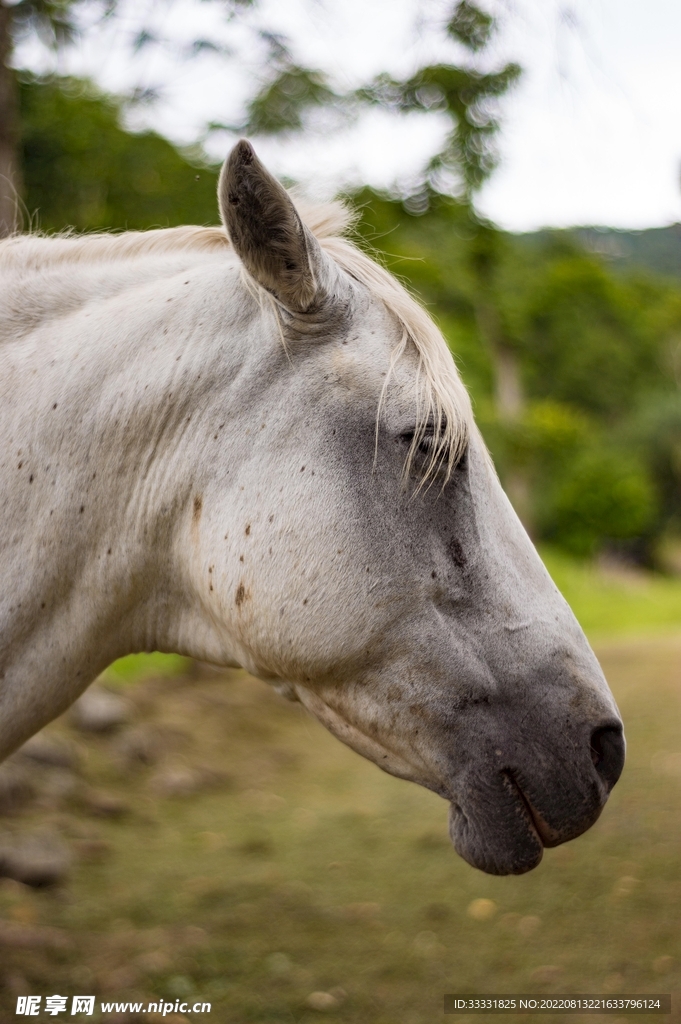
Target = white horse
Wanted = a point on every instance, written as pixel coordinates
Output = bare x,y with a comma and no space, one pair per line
252,447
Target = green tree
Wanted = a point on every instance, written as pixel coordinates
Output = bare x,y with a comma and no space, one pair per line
51,20
470,99
603,496
654,433
57,23
287,92
82,169
596,442
587,343
469,96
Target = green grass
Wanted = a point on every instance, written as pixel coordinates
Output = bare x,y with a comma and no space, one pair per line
307,869
141,666
617,603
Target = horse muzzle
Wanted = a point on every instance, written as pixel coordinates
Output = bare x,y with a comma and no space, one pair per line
506,810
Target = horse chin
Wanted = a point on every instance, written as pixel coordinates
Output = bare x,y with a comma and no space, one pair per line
502,839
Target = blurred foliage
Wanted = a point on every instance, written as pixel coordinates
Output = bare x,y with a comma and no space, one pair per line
83,170
655,432
280,105
57,26
600,494
288,92
53,21
656,249
466,95
471,26
586,338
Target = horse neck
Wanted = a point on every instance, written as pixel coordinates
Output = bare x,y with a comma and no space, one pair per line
101,410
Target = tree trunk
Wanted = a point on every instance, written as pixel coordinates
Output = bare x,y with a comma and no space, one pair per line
508,390
10,183
509,399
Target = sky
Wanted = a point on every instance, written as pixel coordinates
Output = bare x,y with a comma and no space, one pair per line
592,134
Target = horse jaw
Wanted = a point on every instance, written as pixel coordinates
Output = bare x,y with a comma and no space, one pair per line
369,747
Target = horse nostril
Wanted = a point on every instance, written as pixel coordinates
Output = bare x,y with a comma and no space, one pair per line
607,753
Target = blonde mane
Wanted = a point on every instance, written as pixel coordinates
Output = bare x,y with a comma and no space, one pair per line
444,414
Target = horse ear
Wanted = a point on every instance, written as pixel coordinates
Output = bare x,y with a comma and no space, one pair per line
266,231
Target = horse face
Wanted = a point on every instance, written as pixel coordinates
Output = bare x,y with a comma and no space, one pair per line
416,622
478,683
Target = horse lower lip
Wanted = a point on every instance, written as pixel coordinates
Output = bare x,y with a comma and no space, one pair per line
501,824
496,851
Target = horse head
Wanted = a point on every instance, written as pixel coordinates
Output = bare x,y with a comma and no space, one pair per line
371,565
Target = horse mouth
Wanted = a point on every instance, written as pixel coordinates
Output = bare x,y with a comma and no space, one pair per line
499,822
548,836
498,830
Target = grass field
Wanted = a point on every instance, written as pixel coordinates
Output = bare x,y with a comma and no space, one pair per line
298,868
616,602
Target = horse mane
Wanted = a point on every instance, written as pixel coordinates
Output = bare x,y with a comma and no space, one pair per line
443,405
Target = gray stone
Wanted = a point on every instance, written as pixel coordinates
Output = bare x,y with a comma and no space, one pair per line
19,936
49,750
103,804
100,711
37,859
57,786
93,850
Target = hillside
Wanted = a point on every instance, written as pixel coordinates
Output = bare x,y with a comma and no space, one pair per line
655,249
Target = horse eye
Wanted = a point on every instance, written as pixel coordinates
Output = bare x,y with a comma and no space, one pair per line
427,443
426,439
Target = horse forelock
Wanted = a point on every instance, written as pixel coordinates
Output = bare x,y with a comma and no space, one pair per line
443,404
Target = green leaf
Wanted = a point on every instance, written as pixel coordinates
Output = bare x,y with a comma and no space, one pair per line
282,102
471,26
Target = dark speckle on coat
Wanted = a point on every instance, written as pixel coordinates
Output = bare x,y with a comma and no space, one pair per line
456,552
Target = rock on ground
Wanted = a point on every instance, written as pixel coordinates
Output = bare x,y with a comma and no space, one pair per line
100,711
37,859
48,750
